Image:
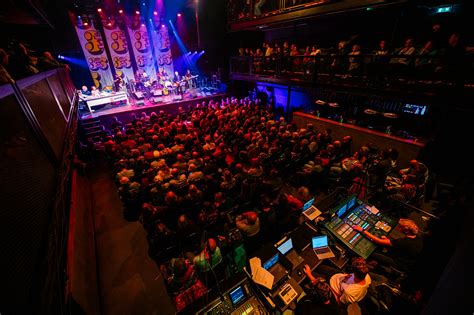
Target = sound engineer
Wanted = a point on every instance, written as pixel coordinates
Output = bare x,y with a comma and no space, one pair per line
404,251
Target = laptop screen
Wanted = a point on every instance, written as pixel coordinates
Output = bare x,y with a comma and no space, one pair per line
308,204
320,241
285,247
271,262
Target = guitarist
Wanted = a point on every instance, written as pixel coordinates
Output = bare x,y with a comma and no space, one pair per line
177,83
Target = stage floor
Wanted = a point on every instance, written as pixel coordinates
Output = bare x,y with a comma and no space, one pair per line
134,104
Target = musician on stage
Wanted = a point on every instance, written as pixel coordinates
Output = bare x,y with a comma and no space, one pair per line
85,91
189,79
177,82
118,83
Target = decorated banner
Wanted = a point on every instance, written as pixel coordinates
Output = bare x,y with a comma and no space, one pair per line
141,46
94,51
162,48
118,48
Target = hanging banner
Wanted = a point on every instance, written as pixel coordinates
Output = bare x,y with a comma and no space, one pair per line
162,48
93,47
141,47
118,48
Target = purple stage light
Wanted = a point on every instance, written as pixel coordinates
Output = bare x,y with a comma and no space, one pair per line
162,25
137,12
155,13
120,11
179,14
143,25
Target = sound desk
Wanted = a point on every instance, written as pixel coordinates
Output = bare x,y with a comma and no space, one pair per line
240,299
355,212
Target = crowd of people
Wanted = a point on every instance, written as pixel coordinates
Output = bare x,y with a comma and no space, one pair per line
436,54
19,62
211,184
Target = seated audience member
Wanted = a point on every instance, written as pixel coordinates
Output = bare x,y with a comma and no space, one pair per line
319,299
248,223
403,252
354,62
418,170
209,257
5,77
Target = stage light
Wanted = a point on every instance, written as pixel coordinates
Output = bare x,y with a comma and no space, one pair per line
150,20
120,11
109,24
155,13
99,10
195,52
137,12
143,25
162,25
202,52
179,14
85,23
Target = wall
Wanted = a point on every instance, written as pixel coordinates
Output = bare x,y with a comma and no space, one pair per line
407,149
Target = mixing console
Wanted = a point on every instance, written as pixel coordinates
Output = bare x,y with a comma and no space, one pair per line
341,227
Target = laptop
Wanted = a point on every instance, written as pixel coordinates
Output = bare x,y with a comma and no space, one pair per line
275,268
321,247
285,247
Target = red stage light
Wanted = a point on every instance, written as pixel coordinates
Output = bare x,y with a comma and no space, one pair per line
179,14
137,12
99,10
109,24
120,11
155,13
85,23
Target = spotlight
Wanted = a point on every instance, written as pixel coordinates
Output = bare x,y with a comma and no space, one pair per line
137,12
195,52
109,24
143,25
150,20
99,10
179,14
143,3
120,11
162,25
202,52
85,23
155,13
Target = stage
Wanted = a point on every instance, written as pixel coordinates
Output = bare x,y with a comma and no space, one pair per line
103,116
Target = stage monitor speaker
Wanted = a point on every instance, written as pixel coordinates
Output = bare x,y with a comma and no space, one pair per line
157,100
140,103
178,97
138,95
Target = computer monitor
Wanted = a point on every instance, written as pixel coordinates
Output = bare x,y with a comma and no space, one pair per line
285,247
237,295
340,212
308,204
351,203
271,262
320,241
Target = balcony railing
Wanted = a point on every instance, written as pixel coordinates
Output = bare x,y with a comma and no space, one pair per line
239,10
369,70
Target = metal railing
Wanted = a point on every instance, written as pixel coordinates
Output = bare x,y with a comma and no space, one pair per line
250,9
366,69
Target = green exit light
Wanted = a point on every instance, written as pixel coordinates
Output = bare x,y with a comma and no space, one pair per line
443,10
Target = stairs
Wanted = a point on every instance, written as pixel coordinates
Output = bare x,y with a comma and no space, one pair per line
92,127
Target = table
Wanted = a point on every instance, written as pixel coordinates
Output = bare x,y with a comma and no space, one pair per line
104,98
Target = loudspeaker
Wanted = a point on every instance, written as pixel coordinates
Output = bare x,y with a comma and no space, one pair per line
138,95
157,100
140,103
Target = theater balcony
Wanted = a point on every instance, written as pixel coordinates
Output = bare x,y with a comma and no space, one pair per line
260,14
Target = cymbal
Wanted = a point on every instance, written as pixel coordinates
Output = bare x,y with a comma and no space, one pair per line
369,111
